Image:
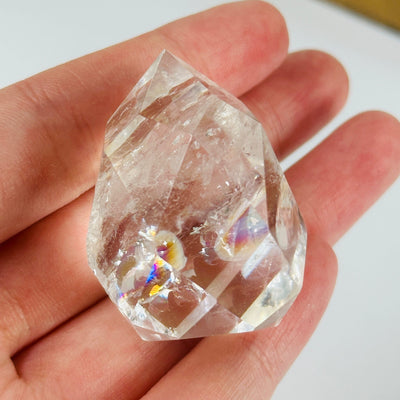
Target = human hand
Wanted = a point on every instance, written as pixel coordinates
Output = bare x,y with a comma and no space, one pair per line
65,339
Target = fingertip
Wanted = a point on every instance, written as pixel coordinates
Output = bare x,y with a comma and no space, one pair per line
275,30
381,132
327,78
299,98
379,119
343,176
241,42
324,65
272,18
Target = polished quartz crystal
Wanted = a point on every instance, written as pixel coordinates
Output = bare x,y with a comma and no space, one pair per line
194,230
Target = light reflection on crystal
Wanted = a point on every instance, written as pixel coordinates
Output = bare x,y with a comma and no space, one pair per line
244,236
194,230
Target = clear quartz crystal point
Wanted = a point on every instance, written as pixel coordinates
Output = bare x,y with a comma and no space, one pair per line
194,230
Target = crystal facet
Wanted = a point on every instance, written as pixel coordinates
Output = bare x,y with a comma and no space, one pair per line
194,230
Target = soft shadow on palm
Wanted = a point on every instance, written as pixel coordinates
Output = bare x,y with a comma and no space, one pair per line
59,336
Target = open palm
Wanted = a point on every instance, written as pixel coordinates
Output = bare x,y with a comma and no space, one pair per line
59,336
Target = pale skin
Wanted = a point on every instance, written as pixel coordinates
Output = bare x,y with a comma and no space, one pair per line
60,337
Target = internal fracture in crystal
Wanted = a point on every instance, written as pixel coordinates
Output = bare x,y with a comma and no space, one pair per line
194,230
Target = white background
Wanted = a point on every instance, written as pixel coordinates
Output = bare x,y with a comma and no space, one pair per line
355,352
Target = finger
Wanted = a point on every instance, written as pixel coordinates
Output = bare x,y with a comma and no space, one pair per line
250,365
46,305
340,179
98,351
299,98
52,125
44,276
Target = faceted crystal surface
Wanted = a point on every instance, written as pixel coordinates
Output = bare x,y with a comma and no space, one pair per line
194,230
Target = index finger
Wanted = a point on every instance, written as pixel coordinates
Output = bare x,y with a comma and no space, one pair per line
52,125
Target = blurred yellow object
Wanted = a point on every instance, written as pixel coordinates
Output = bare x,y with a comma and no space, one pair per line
386,11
